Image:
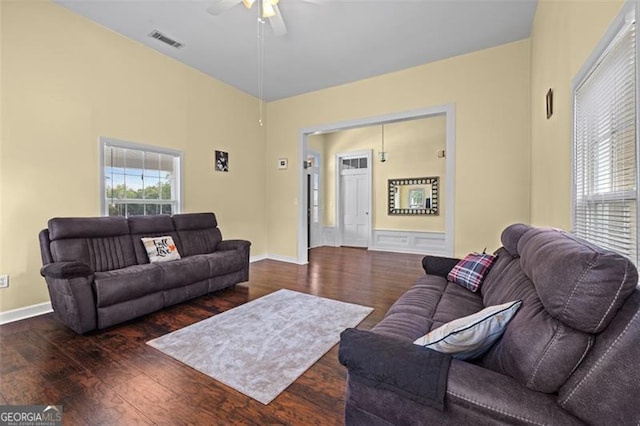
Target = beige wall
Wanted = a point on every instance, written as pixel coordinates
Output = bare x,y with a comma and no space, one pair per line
564,35
490,91
412,148
67,81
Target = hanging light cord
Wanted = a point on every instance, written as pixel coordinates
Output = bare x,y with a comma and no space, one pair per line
260,31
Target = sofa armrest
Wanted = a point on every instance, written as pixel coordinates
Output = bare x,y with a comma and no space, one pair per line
233,245
72,297
412,371
66,270
437,265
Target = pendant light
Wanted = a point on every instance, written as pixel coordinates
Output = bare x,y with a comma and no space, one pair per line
382,155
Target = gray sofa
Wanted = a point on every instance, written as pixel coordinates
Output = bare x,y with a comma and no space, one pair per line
570,356
98,272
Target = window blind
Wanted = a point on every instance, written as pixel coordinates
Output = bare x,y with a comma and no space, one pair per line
605,162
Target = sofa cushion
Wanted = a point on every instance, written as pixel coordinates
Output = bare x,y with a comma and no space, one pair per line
511,235
580,284
129,283
471,270
554,329
187,270
431,302
471,336
87,227
149,227
103,243
536,349
198,233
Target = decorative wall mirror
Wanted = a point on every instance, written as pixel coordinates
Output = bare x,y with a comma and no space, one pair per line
414,196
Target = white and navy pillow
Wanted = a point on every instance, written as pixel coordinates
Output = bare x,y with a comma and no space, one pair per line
160,249
471,336
471,270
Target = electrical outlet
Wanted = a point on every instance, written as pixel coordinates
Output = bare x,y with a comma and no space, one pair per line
4,281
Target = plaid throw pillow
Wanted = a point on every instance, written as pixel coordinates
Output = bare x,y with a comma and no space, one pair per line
470,271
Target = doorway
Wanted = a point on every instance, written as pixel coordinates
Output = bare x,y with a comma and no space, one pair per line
448,111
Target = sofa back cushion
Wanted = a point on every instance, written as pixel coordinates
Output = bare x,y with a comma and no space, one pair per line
580,284
198,233
103,243
150,227
563,283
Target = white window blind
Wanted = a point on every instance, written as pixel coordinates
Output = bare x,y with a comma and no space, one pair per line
605,163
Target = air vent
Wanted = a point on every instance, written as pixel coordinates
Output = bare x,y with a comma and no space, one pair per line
163,38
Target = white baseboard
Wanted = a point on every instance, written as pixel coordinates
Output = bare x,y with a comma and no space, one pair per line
277,257
257,258
24,313
287,259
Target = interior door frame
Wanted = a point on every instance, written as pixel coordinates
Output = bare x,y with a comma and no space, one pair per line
447,110
368,154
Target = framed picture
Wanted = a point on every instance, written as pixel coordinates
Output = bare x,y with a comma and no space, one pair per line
549,104
222,161
283,163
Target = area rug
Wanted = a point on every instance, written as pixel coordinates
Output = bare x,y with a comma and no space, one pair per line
263,346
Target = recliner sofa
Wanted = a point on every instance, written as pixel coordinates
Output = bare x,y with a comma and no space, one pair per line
98,272
570,355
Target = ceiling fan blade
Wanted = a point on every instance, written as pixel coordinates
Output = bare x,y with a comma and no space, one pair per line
277,22
220,6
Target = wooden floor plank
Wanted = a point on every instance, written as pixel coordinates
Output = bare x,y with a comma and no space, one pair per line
113,377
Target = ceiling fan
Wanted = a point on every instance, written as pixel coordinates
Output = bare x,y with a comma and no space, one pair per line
268,10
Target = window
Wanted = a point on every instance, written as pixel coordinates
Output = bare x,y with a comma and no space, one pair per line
139,179
605,203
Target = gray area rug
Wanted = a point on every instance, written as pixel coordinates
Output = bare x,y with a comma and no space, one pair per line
263,346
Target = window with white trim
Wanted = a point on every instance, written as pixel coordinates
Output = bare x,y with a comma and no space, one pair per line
139,179
605,203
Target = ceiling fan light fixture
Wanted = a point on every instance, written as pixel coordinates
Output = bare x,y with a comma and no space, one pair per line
267,9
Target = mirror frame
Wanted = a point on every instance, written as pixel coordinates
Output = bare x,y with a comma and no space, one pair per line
435,205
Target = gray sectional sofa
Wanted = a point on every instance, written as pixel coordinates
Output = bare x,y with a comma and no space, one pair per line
570,355
98,271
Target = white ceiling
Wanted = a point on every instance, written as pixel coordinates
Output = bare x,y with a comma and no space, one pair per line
329,42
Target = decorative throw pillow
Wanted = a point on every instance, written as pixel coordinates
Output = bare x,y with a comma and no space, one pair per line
470,271
160,249
471,336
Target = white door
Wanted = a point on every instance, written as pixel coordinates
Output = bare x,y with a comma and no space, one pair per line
355,201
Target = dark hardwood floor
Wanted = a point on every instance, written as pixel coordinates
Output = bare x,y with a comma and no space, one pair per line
112,377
